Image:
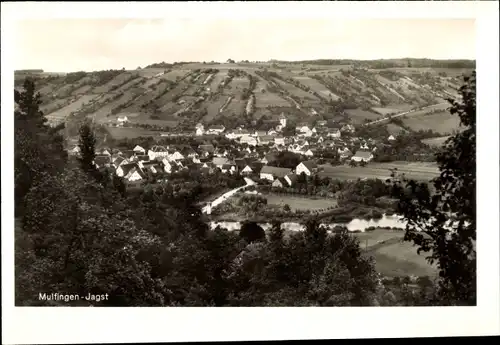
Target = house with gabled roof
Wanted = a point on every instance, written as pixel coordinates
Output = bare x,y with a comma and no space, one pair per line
157,151
249,140
139,150
130,172
361,155
307,167
271,173
291,179
220,161
278,183
265,139
217,129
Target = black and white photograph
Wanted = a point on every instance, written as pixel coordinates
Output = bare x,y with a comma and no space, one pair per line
212,155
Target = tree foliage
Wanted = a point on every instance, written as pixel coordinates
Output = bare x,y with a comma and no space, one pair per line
443,222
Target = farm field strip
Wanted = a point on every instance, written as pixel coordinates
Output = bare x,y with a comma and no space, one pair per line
380,171
127,132
299,203
72,107
116,81
263,100
435,141
317,87
295,91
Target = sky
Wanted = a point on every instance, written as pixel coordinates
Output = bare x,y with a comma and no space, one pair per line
65,45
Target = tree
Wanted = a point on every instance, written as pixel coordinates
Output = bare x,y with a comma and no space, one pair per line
362,163
86,144
444,222
286,208
251,232
38,148
352,163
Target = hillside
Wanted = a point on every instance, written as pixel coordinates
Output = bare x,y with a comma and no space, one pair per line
183,94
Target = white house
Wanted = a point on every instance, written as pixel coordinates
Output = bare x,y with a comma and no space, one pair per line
391,138
308,153
334,133
282,120
249,140
139,149
271,173
167,167
360,155
199,129
291,179
247,170
279,141
157,152
216,129
121,120
130,172
306,167
176,156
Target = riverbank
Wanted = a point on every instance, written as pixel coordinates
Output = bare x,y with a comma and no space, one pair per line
355,225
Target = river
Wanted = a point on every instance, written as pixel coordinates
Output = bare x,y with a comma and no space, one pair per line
393,221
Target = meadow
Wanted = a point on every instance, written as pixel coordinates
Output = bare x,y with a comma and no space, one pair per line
415,170
299,203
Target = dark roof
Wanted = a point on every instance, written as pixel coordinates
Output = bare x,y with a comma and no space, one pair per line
292,177
101,160
310,164
271,157
275,171
363,154
143,158
128,153
241,162
217,127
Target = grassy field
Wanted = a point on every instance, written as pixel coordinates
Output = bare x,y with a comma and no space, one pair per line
442,122
299,203
73,106
317,87
371,238
358,116
392,256
401,259
127,132
414,170
436,142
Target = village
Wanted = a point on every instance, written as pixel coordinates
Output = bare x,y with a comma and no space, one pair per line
251,153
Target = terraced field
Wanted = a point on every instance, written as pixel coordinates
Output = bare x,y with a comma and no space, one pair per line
154,93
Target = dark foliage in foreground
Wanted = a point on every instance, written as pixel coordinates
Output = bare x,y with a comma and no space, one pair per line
444,223
78,234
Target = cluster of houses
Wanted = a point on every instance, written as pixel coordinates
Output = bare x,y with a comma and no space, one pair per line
257,150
